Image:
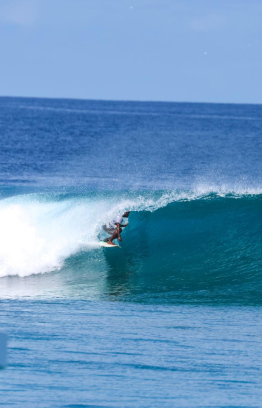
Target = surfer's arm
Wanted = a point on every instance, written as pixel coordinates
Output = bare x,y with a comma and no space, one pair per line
124,225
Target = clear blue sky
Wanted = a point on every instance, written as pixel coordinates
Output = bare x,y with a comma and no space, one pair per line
166,50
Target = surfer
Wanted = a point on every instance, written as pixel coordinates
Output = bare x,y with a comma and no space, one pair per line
115,228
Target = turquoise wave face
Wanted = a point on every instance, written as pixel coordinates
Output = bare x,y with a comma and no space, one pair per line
178,247
207,249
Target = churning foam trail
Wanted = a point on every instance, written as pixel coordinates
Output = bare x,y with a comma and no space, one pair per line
36,237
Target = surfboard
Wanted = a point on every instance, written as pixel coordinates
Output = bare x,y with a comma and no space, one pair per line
105,245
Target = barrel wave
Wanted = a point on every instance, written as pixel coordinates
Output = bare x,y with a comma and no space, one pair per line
208,249
178,247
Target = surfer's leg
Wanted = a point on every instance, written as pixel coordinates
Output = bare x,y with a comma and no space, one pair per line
109,238
113,236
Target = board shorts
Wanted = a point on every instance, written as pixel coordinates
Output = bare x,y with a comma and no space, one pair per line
110,229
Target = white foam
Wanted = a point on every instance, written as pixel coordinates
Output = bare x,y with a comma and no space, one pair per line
37,237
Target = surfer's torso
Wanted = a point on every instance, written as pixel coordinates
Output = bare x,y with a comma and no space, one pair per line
115,221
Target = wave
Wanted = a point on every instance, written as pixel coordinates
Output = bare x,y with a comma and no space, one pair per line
198,241
40,231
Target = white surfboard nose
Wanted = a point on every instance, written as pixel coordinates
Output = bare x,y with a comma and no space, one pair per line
3,349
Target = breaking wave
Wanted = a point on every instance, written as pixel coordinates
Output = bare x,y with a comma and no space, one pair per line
175,241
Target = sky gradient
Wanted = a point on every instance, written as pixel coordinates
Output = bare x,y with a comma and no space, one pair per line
156,50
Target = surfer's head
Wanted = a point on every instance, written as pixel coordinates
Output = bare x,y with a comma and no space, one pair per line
126,214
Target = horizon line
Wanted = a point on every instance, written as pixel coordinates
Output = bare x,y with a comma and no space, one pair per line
128,100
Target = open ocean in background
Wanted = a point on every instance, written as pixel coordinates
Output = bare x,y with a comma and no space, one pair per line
173,318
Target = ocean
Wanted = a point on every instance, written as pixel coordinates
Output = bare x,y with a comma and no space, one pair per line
173,317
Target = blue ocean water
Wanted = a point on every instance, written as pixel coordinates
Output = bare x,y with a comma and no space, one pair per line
173,317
